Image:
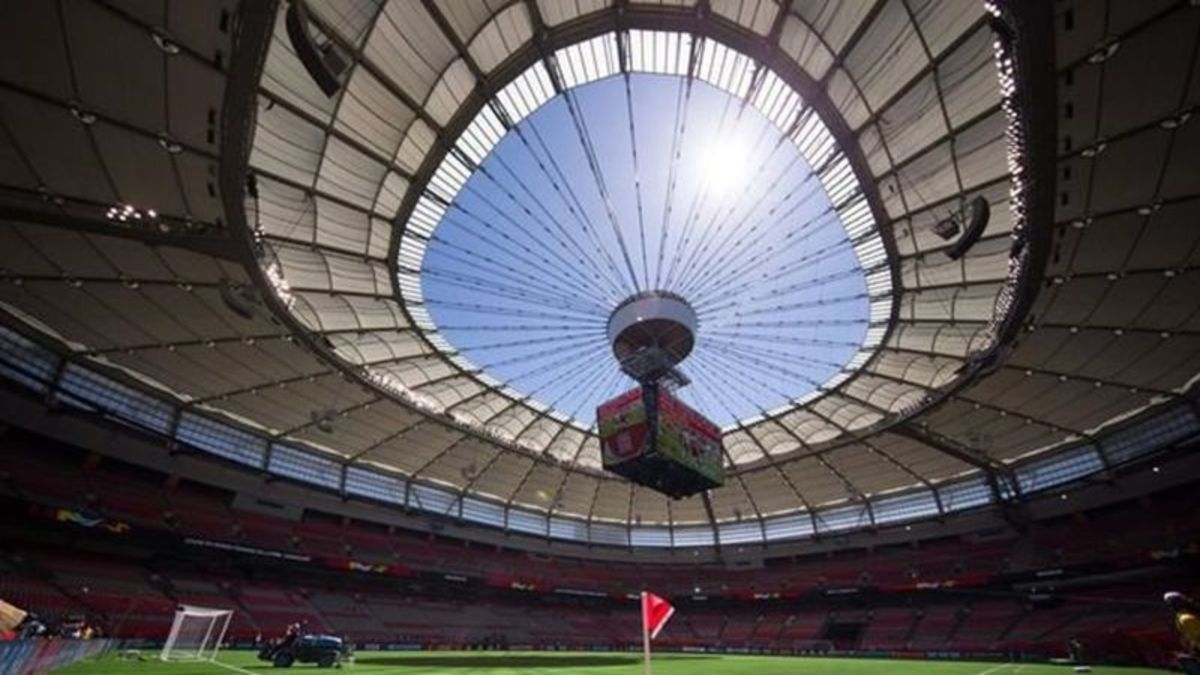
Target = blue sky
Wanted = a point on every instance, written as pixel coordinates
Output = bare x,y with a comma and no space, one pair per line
541,243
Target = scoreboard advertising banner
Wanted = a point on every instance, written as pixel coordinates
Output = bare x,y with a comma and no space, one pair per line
624,428
689,438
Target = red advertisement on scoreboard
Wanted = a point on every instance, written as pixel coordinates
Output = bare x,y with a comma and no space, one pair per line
689,438
624,431
676,412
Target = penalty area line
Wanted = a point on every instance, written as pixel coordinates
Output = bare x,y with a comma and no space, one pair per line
995,668
231,667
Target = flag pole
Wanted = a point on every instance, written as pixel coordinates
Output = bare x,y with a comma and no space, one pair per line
645,635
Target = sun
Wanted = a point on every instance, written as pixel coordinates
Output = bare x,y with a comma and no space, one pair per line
724,165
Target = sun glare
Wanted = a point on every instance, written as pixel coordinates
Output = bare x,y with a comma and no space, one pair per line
724,165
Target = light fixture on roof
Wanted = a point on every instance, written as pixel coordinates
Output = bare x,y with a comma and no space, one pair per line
128,213
1104,52
469,472
165,43
1177,121
1095,150
49,196
279,284
169,144
323,419
85,117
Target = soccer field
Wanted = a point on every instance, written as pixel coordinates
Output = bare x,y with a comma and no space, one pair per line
542,663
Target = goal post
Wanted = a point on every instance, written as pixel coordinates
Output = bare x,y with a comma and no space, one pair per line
196,633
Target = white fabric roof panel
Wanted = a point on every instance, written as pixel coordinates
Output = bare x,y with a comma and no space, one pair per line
756,16
501,36
32,34
816,482
58,148
555,12
371,114
116,67
869,472
835,21
467,18
771,492
731,502
888,54
348,18
774,438
504,476
577,492
922,460
350,175
407,46
805,47
741,448
287,145
612,500
461,462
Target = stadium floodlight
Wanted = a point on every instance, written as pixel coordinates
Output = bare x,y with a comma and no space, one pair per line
196,634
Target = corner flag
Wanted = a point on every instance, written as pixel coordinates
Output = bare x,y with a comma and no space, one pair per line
655,614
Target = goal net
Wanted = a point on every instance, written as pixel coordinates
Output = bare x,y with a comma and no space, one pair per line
196,633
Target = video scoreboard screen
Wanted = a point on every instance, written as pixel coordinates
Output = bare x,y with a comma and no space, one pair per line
672,448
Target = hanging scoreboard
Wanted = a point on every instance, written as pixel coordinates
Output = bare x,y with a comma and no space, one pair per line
653,439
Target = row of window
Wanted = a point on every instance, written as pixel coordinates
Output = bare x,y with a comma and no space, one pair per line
26,363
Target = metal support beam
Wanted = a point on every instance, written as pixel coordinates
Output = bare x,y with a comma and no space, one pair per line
712,520
196,237
995,471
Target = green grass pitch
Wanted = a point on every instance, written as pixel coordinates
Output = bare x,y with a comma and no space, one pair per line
543,663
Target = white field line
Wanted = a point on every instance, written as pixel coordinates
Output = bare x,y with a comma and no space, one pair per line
995,668
231,667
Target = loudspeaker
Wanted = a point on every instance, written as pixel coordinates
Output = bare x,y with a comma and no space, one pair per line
981,213
242,300
325,63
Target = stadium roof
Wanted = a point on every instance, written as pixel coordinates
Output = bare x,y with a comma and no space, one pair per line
188,209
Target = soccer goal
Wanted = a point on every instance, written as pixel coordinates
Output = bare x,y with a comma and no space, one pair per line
196,634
